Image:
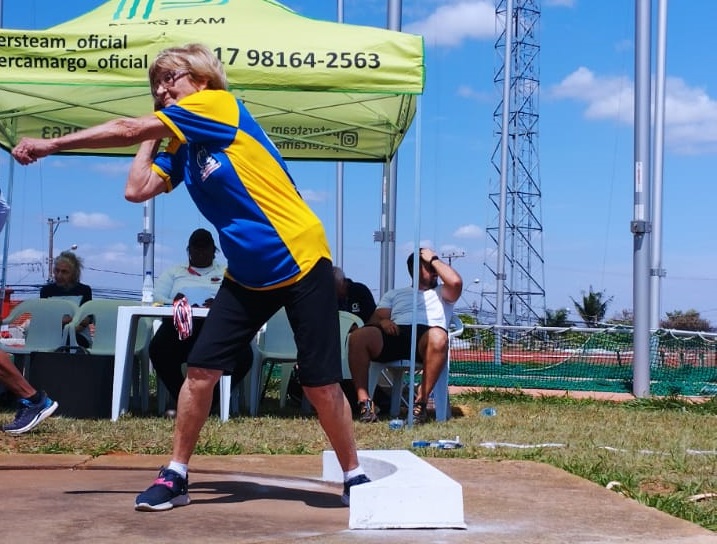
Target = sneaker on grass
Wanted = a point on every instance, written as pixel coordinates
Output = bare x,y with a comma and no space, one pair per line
29,414
356,480
167,491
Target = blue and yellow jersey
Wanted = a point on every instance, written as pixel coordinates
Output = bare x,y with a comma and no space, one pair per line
240,183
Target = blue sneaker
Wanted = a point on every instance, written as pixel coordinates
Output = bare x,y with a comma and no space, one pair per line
29,415
356,480
167,491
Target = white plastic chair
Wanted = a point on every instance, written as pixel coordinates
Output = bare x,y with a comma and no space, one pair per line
347,320
45,331
104,335
393,372
228,398
275,343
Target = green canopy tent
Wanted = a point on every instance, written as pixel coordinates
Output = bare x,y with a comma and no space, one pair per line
321,90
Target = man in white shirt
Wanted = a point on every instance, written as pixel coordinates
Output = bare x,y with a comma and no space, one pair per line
387,335
199,281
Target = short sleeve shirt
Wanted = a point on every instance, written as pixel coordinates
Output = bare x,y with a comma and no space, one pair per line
431,309
240,183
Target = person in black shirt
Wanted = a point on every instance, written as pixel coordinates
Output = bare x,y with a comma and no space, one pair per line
353,296
67,268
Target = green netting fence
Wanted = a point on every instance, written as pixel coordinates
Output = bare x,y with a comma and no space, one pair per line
582,359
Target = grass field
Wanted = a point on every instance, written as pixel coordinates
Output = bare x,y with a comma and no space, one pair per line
661,451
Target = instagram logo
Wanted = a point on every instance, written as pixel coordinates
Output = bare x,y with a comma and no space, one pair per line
349,138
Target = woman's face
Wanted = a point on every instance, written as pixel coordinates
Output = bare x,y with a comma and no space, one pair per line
63,274
173,85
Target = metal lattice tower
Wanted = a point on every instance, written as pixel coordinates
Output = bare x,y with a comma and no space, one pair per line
523,294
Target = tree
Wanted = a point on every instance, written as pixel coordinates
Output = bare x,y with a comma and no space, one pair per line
593,309
685,321
625,317
556,318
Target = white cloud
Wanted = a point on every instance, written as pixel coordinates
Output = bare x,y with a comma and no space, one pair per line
93,221
468,231
605,97
560,3
406,248
451,251
466,91
690,113
451,24
111,167
309,195
26,256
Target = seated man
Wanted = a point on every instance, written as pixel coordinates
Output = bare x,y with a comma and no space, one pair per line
199,281
387,335
353,296
33,405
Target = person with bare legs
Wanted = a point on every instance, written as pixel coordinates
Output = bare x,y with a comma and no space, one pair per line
33,406
387,335
275,246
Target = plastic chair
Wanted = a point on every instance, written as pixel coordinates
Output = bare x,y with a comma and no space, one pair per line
393,372
228,397
45,331
275,342
104,312
347,320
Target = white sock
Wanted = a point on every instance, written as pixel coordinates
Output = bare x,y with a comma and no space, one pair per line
353,473
179,468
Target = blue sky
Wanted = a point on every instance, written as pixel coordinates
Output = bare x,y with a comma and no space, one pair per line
585,145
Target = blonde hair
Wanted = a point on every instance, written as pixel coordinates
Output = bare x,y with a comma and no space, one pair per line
201,63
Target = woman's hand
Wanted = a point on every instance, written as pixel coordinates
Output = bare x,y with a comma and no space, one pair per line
30,150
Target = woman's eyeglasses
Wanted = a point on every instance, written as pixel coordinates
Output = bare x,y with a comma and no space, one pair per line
168,79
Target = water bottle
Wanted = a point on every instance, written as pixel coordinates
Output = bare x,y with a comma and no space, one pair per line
709,390
395,424
148,289
488,412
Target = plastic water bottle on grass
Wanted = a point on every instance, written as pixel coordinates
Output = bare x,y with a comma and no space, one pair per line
488,411
396,424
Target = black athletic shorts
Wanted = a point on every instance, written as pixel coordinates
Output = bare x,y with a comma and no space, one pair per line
399,346
238,313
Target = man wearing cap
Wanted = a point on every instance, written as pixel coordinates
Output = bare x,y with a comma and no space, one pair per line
198,281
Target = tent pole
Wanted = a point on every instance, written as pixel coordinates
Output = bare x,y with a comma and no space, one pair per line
388,240
339,256
6,241
8,199
416,264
